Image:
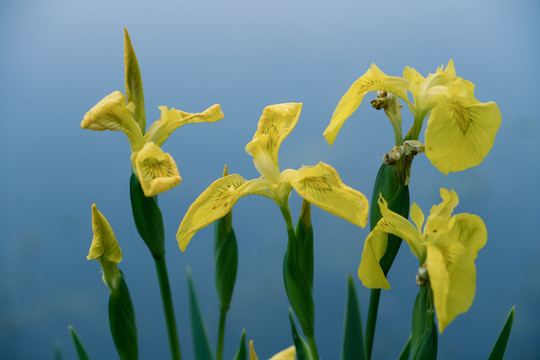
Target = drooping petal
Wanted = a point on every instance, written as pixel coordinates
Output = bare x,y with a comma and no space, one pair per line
287,354
396,224
470,231
155,169
439,215
215,202
113,113
370,271
460,132
105,248
322,186
171,120
277,121
372,80
452,277
134,86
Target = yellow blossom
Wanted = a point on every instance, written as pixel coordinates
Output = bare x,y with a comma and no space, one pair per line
287,354
155,169
319,184
460,131
105,249
447,248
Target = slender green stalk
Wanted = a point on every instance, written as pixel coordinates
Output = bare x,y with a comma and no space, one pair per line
221,334
313,347
372,320
286,212
417,126
163,277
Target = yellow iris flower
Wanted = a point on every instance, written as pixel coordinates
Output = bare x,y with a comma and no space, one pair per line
105,249
447,248
156,170
287,354
319,184
460,131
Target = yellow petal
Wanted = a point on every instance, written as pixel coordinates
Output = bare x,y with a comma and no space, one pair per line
134,86
452,277
439,216
370,271
417,216
252,355
112,113
470,231
215,202
155,169
322,186
104,245
287,354
105,248
372,80
171,120
277,121
396,224
412,75
460,132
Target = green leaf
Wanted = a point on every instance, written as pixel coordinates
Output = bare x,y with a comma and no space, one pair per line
122,322
406,350
81,352
134,86
424,335
497,353
201,344
57,351
353,339
226,260
148,219
241,354
302,348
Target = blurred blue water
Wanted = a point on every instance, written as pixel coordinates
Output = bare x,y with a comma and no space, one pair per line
59,58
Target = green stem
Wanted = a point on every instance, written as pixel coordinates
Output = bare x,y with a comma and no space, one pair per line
287,216
221,334
163,277
417,126
313,348
372,320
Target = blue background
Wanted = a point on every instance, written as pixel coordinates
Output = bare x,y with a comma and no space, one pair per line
59,58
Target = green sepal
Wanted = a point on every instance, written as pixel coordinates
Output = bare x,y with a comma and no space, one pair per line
353,339
225,259
424,331
404,355
497,353
201,344
134,85
298,273
122,321
148,219
302,348
386,184
241,354
81,352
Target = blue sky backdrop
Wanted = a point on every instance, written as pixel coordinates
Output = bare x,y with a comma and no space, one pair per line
59,58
